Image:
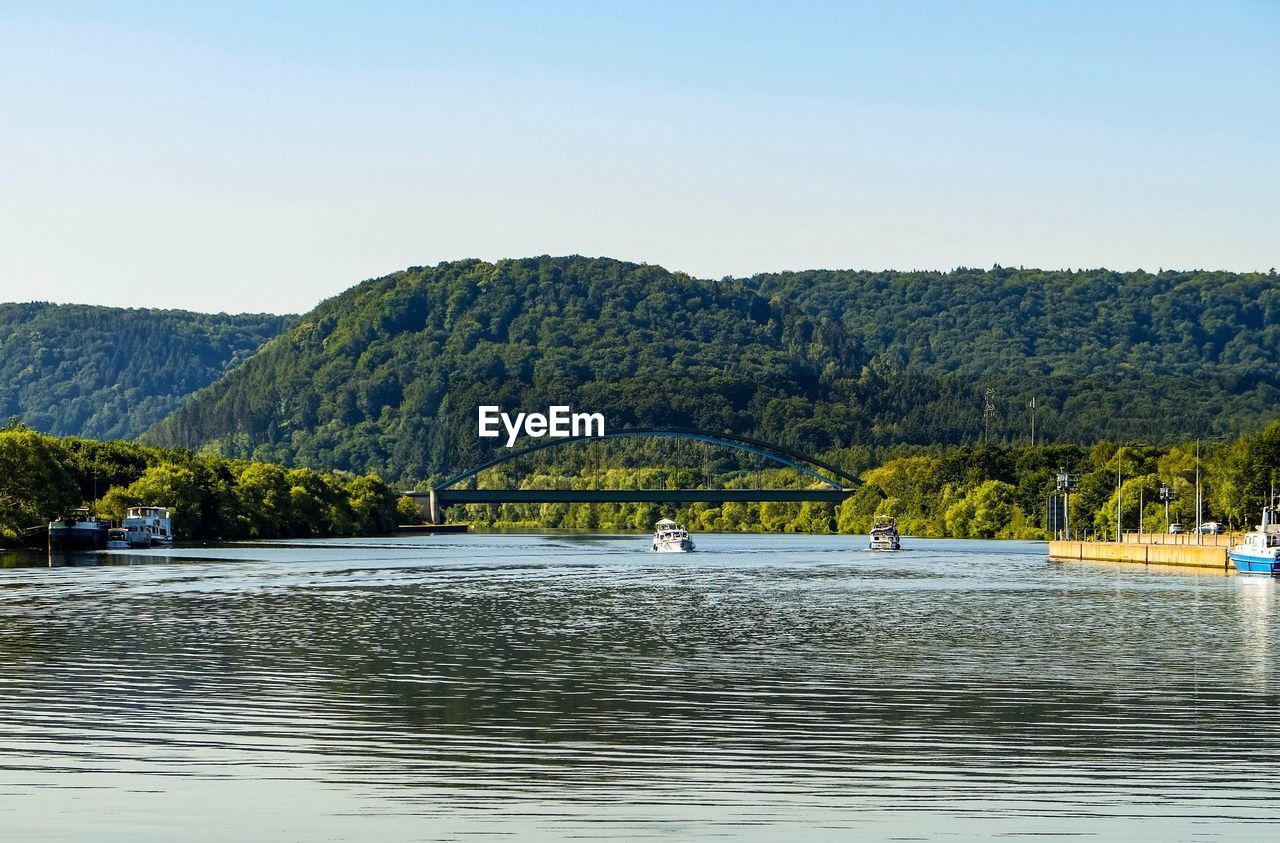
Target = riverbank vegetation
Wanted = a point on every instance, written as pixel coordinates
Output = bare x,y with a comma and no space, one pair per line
211,498
994,491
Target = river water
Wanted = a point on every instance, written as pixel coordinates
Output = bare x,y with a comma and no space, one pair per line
544,687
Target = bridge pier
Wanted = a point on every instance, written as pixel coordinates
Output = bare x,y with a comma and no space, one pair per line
433,511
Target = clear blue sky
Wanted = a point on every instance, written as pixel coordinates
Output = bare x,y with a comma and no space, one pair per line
223,157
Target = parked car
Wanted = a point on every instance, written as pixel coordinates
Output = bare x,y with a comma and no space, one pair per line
1211,527
1175,527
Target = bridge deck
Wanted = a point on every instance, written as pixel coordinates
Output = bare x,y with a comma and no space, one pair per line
451,497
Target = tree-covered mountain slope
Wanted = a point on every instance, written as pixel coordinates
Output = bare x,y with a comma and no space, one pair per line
387,376
110,373
1132,355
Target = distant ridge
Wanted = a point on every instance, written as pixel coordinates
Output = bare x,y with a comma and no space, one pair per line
109,372
1131,355
387,376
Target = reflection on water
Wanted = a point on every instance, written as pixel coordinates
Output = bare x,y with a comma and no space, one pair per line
558,686
1257,596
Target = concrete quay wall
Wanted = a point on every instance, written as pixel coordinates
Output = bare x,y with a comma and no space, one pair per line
1195,556
1205,540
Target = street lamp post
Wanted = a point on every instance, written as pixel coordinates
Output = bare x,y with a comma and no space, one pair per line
1119,494
1119,491
1141,491
1199,495
1199,532
1065,484
1166,495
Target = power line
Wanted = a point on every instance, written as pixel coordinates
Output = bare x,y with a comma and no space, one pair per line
988,413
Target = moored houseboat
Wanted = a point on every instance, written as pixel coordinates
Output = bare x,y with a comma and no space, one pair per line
78,530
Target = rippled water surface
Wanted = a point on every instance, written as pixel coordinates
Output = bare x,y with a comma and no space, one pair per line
553,687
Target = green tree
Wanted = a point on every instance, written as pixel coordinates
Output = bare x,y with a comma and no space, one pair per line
983,512
167,485
407,511
34,485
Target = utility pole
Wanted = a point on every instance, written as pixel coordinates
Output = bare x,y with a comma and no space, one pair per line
1119,490
1271,501
1032,405
988,413
1199,534
1140,492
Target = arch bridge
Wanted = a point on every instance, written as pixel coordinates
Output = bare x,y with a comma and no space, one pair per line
837,484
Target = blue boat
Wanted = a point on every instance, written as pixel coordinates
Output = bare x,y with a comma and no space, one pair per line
1260,551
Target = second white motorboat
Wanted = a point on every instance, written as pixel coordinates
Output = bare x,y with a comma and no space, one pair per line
884,534
670,537
148,525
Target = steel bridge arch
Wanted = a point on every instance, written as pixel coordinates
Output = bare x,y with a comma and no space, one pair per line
777,453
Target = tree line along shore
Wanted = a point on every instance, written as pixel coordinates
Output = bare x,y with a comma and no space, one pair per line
212,498
984,491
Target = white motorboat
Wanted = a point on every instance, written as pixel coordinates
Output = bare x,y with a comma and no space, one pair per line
884,534
670,537
148,525
1259,553
117,539
137,535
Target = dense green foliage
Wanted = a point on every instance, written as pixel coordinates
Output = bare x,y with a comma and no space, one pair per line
210,497
982,492
1106,354
994,491
388,375
881,373
108,372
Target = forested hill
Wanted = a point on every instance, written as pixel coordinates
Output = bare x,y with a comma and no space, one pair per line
387,376
110,373
1107,354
